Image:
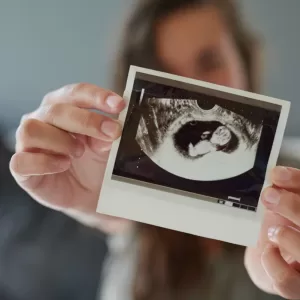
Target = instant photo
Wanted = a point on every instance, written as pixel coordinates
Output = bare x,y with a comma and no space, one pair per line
199,143
194,143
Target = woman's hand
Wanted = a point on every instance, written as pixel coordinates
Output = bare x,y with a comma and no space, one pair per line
274,264
62,150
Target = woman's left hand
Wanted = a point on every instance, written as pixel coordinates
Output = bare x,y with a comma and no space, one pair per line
274,265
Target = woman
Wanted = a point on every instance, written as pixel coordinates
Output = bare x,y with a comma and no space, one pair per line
62,150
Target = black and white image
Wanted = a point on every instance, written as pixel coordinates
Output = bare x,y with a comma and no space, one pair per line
214,147
192,153
197,143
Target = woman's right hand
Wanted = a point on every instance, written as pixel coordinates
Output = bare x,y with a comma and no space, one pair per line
62,150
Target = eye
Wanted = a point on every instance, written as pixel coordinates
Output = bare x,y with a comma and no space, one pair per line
193,123
209,60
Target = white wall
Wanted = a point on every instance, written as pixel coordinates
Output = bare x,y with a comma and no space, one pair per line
279,23
46,44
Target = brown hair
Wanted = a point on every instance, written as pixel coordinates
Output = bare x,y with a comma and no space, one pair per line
171,261
138,43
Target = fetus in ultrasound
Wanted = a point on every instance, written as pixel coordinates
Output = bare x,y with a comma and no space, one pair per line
196,138
197,143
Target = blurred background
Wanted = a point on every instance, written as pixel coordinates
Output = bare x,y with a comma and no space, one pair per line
47,44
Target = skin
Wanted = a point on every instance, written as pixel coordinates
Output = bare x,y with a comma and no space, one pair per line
62,148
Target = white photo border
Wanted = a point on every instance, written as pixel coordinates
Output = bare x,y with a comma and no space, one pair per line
179,212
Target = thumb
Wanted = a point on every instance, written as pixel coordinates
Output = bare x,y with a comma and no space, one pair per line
27,168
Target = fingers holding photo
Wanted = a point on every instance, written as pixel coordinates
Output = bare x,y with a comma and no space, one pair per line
85,95
286,178
27,168
283,202
285,279
288,240
78,121
282,246
34,135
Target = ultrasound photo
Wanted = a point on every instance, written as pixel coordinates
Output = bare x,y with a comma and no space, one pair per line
195,143
206,144
191,153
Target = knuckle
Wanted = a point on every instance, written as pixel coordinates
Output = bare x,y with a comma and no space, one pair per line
27,129
91,91
48,97
90,120
69,90
52,111
25,117
75,88
293,204
65,91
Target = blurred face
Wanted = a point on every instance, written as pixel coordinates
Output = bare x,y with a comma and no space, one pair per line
196,43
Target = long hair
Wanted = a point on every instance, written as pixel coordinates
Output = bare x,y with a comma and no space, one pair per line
170,261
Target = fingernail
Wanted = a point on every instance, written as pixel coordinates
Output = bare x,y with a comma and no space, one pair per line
273,233
110,128
282,174
272,196
113,101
